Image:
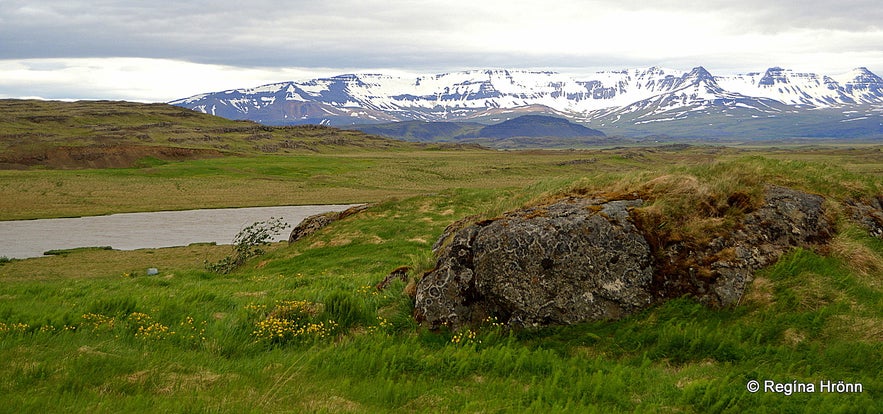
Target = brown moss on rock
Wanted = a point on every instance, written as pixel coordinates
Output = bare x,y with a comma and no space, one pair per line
581,258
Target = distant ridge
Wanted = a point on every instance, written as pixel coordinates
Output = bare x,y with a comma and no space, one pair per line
775,103
420,131
537,126
525,126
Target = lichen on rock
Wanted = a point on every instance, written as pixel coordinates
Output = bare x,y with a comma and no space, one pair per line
574,260
584,259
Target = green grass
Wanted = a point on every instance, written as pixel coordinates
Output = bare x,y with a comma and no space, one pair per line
676,357
273,180
89,331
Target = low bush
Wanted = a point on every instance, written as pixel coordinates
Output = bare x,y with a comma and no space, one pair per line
248,243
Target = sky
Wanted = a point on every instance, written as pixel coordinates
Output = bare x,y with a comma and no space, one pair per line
159,50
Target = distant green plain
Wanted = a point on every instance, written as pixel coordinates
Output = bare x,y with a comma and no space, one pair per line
264,181
356,177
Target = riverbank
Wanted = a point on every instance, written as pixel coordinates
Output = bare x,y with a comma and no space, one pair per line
130,231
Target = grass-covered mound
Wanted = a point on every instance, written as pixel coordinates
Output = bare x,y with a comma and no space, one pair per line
106,134
303,328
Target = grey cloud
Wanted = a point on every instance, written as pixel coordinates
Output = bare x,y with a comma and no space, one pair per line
215,32
776,16
351,33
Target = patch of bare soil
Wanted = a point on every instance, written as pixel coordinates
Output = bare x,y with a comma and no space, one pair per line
100,156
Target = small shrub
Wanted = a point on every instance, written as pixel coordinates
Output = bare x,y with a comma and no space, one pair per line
249,243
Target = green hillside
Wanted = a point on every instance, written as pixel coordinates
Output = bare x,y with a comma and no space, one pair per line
118,134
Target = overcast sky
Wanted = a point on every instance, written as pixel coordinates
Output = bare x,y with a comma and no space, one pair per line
160,50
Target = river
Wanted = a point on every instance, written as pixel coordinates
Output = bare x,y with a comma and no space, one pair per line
129,231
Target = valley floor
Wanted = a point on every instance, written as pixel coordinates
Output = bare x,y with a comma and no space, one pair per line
303,328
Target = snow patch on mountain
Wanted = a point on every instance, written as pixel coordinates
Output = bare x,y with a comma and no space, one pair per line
633,96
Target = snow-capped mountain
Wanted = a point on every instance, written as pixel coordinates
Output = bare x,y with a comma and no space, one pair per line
635,101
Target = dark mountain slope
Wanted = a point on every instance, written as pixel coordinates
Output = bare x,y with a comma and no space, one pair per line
536,126
423,131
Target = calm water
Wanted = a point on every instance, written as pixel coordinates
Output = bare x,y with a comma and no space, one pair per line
130,231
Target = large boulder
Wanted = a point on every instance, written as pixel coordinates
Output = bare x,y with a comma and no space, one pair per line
582,259
574,260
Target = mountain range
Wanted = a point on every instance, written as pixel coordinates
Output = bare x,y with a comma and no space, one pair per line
776,103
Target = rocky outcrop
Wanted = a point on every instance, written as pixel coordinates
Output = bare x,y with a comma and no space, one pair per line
582,259
868,214
316,222
717,274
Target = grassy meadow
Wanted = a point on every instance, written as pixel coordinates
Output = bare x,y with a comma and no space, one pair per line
303,328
